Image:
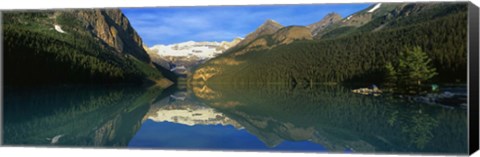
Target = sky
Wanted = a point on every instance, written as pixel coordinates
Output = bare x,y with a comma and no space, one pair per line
169,25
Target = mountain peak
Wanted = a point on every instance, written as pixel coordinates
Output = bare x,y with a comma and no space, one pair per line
271,23
327,20
332,14
267,28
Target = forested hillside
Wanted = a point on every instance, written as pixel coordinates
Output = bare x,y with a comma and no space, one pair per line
74,46
357,55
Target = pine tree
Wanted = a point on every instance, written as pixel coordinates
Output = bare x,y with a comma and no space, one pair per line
412,69
415,65
391,77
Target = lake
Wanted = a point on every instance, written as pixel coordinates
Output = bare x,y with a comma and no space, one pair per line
230,117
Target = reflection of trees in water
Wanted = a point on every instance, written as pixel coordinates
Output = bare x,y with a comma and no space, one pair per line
85,117
338,119
419,129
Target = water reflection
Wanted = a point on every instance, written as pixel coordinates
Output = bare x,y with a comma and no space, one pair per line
339,120
231,117
75,116
182,108
190,124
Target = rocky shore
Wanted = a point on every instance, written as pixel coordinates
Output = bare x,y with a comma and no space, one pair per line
449,97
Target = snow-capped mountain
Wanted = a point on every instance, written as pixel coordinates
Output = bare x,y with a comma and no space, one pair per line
183,108
200,50
192,115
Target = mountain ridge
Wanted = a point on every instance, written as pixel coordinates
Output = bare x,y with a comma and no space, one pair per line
319,26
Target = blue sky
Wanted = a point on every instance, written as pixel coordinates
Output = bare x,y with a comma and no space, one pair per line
167,25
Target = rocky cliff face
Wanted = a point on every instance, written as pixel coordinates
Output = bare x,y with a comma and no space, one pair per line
319,26
112,27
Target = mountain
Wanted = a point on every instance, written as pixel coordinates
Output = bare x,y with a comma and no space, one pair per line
283,35
220,64
202,50
74,46
188,54
268,27
290,34
319,26
353,21
354,49
386,16
113,28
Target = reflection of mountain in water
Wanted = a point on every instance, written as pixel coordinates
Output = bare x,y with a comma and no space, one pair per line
330,116
340,120
187,111
83,116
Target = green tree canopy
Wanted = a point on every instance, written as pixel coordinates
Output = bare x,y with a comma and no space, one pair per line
411,69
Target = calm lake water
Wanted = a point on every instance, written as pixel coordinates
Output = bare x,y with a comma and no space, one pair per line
230,117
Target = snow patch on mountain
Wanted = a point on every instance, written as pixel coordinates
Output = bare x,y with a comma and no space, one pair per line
58,28
191,116
375,7
202,50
